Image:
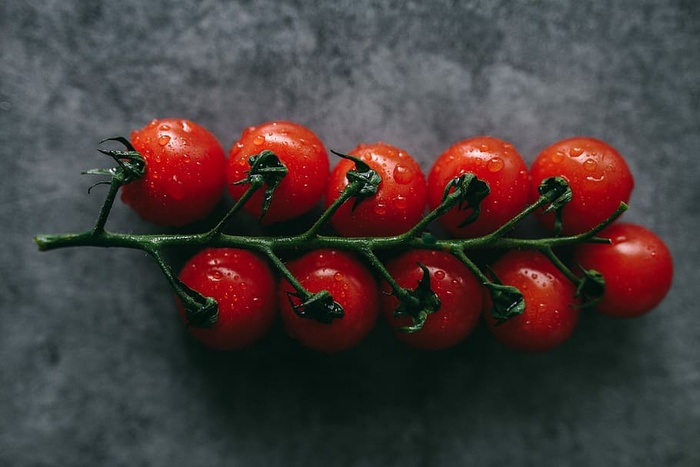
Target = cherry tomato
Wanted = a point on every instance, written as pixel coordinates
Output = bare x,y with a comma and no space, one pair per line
455,285
244,287
550,315
184,177
598,177
637,267
492,160
300,150
351,285
397,205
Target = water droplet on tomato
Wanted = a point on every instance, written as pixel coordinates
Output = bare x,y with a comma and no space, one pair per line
380,209
176,189
575,151
258,140
338,276
216,275
164,127
557,157
439,274
590,165
403,175
163,140
401,202
186,158
496,164
186,127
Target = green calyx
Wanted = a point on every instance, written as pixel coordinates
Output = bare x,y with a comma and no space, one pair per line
418,303
319,306
266,170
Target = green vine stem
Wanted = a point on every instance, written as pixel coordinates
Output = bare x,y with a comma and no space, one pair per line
464,192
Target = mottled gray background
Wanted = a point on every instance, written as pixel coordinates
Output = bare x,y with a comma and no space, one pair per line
95,368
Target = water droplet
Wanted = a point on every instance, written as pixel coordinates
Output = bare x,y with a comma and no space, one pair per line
455,283
338,276
258,140
590,165
575,151
380,209
186,127
495,164
484,147
403,175
557,157
534,275
163,140
401,202
439,274
176,189
216,275
164,127
186,158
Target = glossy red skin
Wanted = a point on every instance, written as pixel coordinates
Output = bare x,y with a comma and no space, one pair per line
597,174
492,160
455,285
400,199
184,177
351,285
244,287
638,269
550,316
300,150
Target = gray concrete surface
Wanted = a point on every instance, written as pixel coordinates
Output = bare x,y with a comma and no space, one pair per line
94,366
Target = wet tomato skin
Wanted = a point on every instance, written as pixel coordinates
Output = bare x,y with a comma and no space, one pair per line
184,177
300,150
349,282
550,315
244,287
455,285
637,267
496,162
400,199
597,174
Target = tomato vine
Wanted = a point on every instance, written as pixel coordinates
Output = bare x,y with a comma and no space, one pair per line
266,171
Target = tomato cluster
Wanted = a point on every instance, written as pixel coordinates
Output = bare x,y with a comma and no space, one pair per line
187,174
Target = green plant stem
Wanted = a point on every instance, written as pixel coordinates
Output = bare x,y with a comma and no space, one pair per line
238,205
302,241
348,192
106,208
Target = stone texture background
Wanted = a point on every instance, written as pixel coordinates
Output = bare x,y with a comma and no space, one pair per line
94,366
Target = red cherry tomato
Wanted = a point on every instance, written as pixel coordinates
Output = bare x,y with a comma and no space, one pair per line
184,177
550,316
598,177
300,150
244,287
456,287
492,160
400,199
351,285
638,269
